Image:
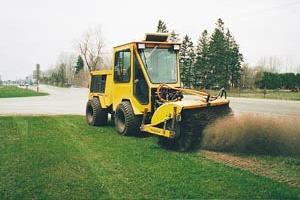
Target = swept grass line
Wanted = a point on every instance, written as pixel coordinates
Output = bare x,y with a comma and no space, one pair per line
88,156
259,167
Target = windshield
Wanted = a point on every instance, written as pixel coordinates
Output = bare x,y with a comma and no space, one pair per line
160,64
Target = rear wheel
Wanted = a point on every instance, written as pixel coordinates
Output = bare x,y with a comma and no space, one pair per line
95,114
125,121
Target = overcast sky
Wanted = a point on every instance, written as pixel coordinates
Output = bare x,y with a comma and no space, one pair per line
38,31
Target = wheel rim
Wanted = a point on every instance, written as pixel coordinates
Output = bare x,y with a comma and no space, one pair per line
120,119
90,114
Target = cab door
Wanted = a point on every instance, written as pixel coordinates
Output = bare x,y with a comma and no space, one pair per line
122,76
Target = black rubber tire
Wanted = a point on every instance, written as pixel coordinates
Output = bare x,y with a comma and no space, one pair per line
191,127
182,141
125,121
95,114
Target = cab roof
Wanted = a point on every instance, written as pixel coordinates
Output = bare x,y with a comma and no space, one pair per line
152,38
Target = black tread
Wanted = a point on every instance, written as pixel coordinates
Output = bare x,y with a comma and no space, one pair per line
125,121
95,114
192,125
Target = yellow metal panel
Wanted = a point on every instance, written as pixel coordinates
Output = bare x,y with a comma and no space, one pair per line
121,91
165,111
102,72
157,131
138,108
219,102
104,98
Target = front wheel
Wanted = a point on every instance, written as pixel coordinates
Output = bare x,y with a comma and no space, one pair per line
125,121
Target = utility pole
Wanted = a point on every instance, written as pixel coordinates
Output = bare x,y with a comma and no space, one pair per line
37,76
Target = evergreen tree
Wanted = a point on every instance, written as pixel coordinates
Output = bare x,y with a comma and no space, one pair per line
217,56
61,73
215,62
225,58
162,27
288,80
234,60
174,37
79,65
201,67
186,59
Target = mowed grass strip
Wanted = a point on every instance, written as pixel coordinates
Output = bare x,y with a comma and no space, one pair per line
14,91
265,94
61,157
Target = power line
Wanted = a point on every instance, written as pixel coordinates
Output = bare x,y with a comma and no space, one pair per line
281,7
288,4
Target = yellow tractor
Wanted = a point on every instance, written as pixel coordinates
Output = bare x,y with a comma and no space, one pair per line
142,93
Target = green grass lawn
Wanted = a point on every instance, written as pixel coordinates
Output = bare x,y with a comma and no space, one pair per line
61,157
269,94
14,91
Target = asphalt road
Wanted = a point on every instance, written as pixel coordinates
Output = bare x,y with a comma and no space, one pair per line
73,100
60,101
278,108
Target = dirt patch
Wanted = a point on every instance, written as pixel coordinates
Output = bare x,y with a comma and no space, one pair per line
257,167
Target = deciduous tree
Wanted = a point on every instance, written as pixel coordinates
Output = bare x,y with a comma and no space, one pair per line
90,48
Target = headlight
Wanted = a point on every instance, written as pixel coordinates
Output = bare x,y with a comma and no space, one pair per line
141,46
176,46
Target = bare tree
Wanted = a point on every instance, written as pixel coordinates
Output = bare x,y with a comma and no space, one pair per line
82,78
69,60
90,48
298,69
247,76
270,64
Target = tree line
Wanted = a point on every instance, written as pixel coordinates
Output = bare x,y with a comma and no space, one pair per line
271,80
266,78
215,61
72,69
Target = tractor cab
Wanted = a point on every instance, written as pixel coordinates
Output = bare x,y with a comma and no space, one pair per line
140,67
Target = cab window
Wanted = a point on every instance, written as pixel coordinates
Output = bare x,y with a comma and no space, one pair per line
141,88
98,83
122,66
